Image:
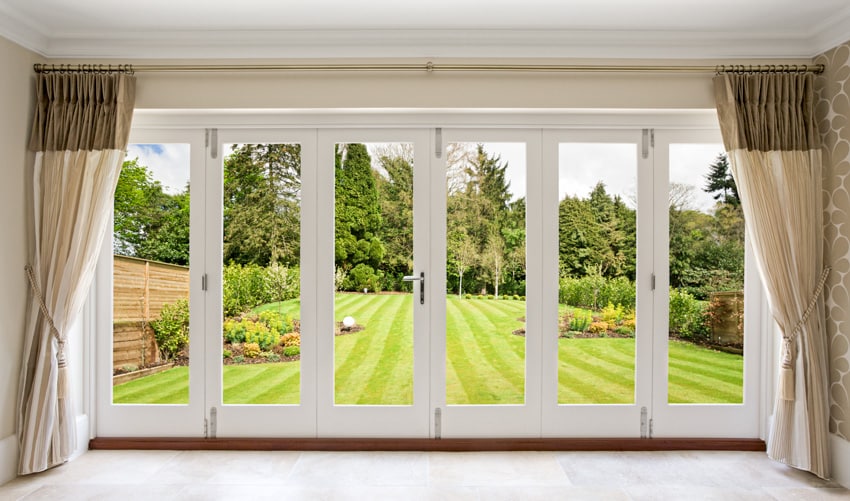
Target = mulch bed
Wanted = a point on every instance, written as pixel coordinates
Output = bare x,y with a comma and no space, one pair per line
342,330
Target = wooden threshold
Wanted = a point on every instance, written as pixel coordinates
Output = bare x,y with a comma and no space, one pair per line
424,444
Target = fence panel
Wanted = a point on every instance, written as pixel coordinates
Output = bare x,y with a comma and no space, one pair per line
139,291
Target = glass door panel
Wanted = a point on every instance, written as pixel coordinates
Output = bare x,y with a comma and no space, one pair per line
490,341
485,273
597,193
373,250
373,277
261,286
156,323
263,349
597,252
705,378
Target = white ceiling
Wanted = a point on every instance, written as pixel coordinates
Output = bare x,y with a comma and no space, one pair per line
426,28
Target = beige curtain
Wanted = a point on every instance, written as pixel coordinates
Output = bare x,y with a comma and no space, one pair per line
769,130
80,130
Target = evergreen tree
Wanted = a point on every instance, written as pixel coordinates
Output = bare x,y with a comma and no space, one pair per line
720,183
262,214
359,250
395,192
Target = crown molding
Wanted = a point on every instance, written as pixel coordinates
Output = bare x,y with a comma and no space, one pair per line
424,43
18,29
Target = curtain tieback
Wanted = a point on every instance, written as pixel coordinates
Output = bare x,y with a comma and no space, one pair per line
62,382
789,352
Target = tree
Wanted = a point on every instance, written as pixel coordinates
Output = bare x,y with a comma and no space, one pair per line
394,183
358,217
149,223
720,183
494,259
462,254
262,191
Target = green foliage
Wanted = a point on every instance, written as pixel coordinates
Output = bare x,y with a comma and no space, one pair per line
248,286
613,314
148,222
720,183
593,290
262,191
362,277
357,217
226,353
171,329
272,357
687,316
598,327
259,333
291,351
238,359
579,320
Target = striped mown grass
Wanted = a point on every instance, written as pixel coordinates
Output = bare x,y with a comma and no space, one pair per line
485,362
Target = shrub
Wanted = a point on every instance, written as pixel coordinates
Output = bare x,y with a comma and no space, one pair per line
467,296
129,368
171,329
362,277
273,357
291,351
251,350
234,331
489,296
687,316
291,339
598,327
625,331
244,287
226,354
281,283
630,324
594,290
258,333
580,320
238,359
613,314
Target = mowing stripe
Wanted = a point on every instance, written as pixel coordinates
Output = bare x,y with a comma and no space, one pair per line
494,328
274,383
393,371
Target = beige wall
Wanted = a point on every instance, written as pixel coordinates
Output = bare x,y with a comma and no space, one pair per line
833,113
16,94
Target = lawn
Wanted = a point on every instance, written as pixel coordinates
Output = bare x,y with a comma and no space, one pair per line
485,362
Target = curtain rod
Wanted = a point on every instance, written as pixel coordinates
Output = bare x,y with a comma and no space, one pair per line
428,67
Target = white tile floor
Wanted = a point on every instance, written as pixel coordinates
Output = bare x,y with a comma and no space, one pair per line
165,475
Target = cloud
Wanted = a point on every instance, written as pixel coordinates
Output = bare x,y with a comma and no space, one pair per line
167,163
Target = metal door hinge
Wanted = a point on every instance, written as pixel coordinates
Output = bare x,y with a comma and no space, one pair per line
650,427
438,415
643,431
438,146
204,282
647,142
211,141
212,423
652,282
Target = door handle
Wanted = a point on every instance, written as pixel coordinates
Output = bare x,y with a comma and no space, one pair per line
421,280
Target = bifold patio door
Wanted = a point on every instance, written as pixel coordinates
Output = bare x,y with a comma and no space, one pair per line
426,283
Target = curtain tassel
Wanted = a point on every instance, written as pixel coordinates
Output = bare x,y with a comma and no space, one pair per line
786,373
789,352
61,363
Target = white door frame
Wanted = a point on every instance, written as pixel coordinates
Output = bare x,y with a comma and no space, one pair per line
271,420
712,420
596,420
116,420
487,420
371,420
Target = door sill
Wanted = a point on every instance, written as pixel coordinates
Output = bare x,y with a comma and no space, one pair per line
425,444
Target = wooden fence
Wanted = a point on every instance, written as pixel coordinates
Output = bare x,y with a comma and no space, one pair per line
139,291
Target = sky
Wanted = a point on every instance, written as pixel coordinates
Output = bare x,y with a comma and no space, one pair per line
581,165
167,163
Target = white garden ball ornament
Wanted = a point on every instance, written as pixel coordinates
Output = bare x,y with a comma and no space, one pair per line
348,322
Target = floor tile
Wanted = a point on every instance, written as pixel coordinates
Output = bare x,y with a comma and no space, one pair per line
495,468
228,467
360,468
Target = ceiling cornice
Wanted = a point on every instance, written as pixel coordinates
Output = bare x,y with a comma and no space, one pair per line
423,43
